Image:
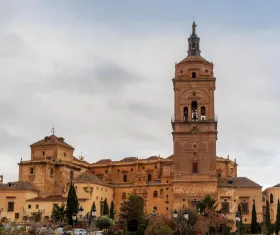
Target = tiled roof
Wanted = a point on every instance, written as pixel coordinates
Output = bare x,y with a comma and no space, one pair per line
18,185
52,140
193,58
104,161
53,198
90,178
152,158
276,186
129,159
238,182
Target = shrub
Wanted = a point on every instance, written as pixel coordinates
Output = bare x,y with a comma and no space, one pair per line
104,222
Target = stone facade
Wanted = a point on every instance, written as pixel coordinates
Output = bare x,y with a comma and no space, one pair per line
178,181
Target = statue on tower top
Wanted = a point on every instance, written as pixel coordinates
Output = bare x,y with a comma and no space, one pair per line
193,28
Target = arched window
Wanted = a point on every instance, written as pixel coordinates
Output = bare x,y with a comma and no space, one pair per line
194,111
195,167
43,153
193,46
161,193
271,198
125,178
271,214
203,113
185,114
193,74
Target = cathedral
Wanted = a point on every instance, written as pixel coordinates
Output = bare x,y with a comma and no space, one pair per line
178,181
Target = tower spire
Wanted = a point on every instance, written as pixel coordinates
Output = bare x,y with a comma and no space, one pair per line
193,42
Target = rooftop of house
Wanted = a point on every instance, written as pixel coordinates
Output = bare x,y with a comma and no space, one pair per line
87,177
53,198
238,182
52,140
18,185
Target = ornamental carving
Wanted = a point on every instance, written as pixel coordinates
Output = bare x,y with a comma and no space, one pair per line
194,147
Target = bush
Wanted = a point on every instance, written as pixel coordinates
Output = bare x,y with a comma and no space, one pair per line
158,228
104,222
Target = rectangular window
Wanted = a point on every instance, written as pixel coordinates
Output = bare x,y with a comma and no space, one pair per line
244,207
225,207
29,206
155,195
51,171
195,167
149,177
11,206
124,178
31,170
194,204
16,215
37,206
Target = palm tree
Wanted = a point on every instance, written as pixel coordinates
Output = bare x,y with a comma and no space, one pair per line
208,202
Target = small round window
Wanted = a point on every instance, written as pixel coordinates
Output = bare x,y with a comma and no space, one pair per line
194,146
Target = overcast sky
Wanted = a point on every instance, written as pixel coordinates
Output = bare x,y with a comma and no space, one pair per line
101,72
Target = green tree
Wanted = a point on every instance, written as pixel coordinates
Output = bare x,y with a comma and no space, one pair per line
112,210
254,224
58,213
104,222
106,207
267,218
277,222
93,207
36,216
72,205
240,222
132,212
208,202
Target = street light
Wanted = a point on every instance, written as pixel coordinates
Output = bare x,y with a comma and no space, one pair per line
74,217
175,213
154,212
81,210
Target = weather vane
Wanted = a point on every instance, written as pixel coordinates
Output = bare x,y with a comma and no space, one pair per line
53,130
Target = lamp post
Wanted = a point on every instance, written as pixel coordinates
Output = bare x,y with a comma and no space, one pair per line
175,215
186,216
81,211
87,221
154,212
74,217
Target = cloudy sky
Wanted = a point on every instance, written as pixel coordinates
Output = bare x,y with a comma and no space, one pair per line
101,72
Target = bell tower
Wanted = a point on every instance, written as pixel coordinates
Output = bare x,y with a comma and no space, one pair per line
194,127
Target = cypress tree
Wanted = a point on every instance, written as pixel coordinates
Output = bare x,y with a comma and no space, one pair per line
112,210
277,222
93,207
254,224
72,205
267,218
106,207
241,224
